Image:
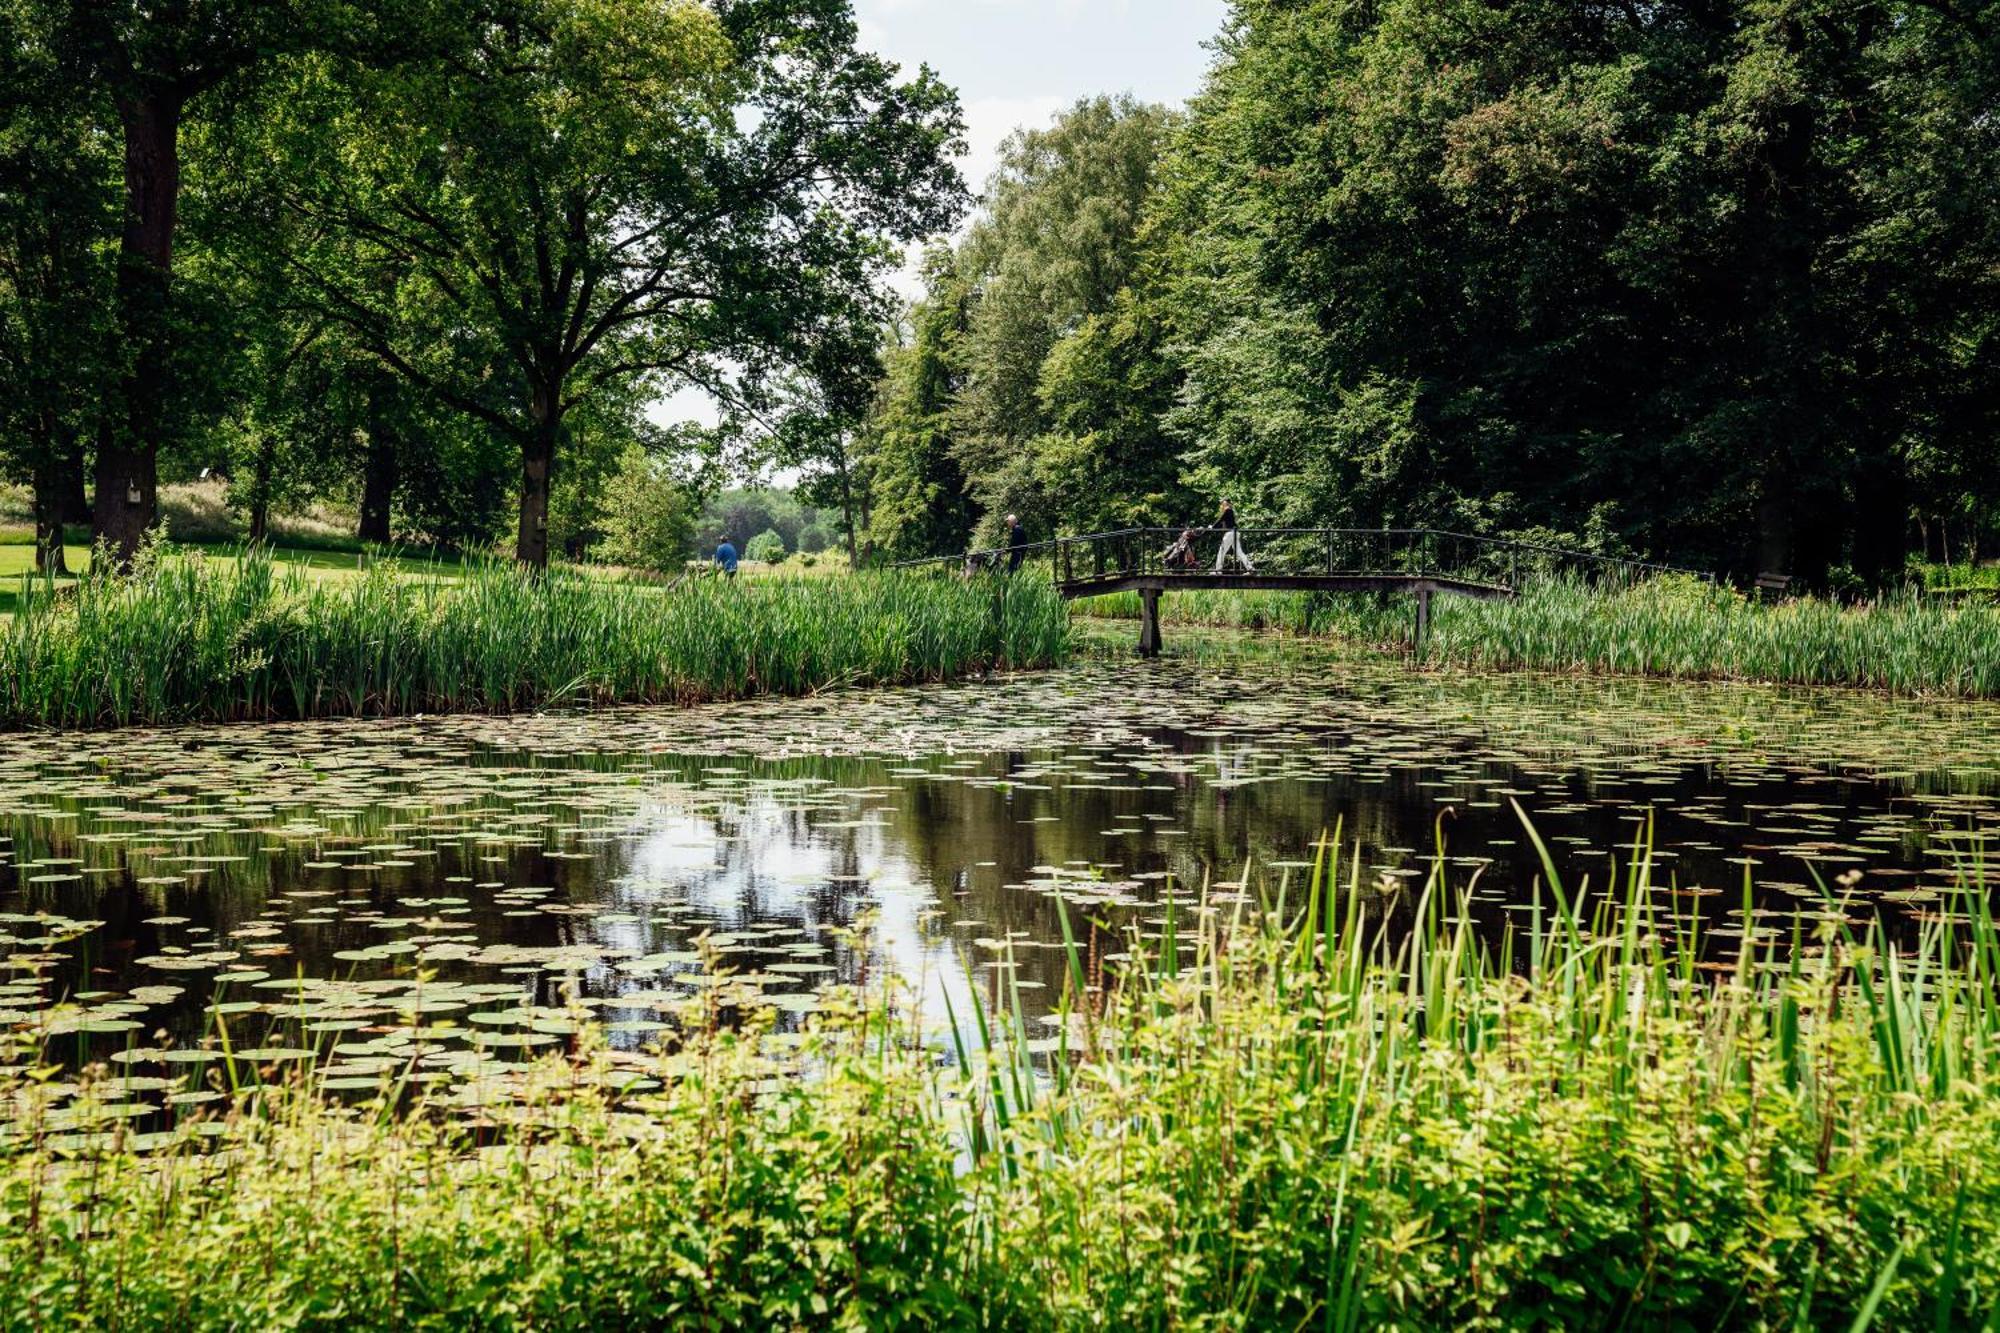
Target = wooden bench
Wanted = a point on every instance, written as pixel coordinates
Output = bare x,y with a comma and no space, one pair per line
1773,587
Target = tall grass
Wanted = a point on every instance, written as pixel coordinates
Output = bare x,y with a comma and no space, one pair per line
190,638
1230,608
1672,626
1684,628
1294,1117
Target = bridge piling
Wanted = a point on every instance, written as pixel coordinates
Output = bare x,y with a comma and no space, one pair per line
1423,618
1149,622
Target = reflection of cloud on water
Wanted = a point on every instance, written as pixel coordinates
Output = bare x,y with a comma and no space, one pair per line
751,857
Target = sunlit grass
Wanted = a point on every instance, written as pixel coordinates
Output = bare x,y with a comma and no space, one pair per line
1686,629
191,638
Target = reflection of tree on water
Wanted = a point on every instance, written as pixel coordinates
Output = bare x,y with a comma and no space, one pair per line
978,839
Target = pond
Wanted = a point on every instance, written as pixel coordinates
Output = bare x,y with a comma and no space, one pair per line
445,891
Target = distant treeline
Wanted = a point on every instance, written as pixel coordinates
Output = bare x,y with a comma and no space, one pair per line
1708,280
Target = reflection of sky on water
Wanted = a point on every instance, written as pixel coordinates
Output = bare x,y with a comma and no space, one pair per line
755,860
945,812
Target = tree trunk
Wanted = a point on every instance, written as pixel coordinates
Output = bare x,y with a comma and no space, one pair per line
260,489
378,482
1881,520
70,490
51,495
127,483
847,511
128,458
538,465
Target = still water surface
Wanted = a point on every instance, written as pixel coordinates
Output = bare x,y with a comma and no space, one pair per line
340,885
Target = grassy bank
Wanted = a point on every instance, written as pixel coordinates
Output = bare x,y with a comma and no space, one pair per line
194,638
1283,1120
1670,627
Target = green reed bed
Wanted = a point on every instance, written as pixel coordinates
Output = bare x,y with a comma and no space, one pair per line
191,638
1680,627
1289,1118
1673,626
1227,608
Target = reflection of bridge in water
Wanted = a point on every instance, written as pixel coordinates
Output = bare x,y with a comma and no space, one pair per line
1417,562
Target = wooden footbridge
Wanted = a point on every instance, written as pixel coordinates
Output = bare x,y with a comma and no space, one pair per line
1417,562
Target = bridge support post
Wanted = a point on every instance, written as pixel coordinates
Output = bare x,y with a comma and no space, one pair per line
1149,622
1423,619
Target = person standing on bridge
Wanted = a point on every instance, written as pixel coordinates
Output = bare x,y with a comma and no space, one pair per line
1017,543
1232,541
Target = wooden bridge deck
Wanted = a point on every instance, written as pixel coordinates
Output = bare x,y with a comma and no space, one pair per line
1150,586
1418,562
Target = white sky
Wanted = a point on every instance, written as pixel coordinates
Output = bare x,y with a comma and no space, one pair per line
1019,62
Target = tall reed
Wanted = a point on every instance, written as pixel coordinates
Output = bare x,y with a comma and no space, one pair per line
1680,627
192,638
1672,626
1308,1118
1342,1108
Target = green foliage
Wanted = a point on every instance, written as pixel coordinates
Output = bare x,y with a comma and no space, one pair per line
190,638
648,515
1049,257
741,514
1318,1121
709,196
1713,281
918,502
1030,380
767,547
1673,626
714,1202
1331,1113
56,277
1494,258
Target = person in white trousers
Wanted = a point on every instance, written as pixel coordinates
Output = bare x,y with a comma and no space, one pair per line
1231,542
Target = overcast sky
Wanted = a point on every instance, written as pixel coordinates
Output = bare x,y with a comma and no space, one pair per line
1018,62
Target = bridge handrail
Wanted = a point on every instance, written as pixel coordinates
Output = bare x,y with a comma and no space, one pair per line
1028,549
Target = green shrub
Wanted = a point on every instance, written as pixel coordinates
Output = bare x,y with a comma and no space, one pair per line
767,547
648,515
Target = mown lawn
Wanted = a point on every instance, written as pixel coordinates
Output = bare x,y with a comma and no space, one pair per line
17,559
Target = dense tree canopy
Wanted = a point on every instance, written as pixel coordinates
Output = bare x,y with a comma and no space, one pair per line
1709,280
395,226
1713,281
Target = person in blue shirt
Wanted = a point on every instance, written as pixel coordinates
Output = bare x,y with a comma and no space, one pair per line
725,558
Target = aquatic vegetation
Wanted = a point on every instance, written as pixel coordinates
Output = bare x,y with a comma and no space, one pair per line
302,874
1673,626
1683,628
913,1007
1268,1107
195,639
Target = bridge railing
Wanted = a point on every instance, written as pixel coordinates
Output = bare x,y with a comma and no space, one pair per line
1491,562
